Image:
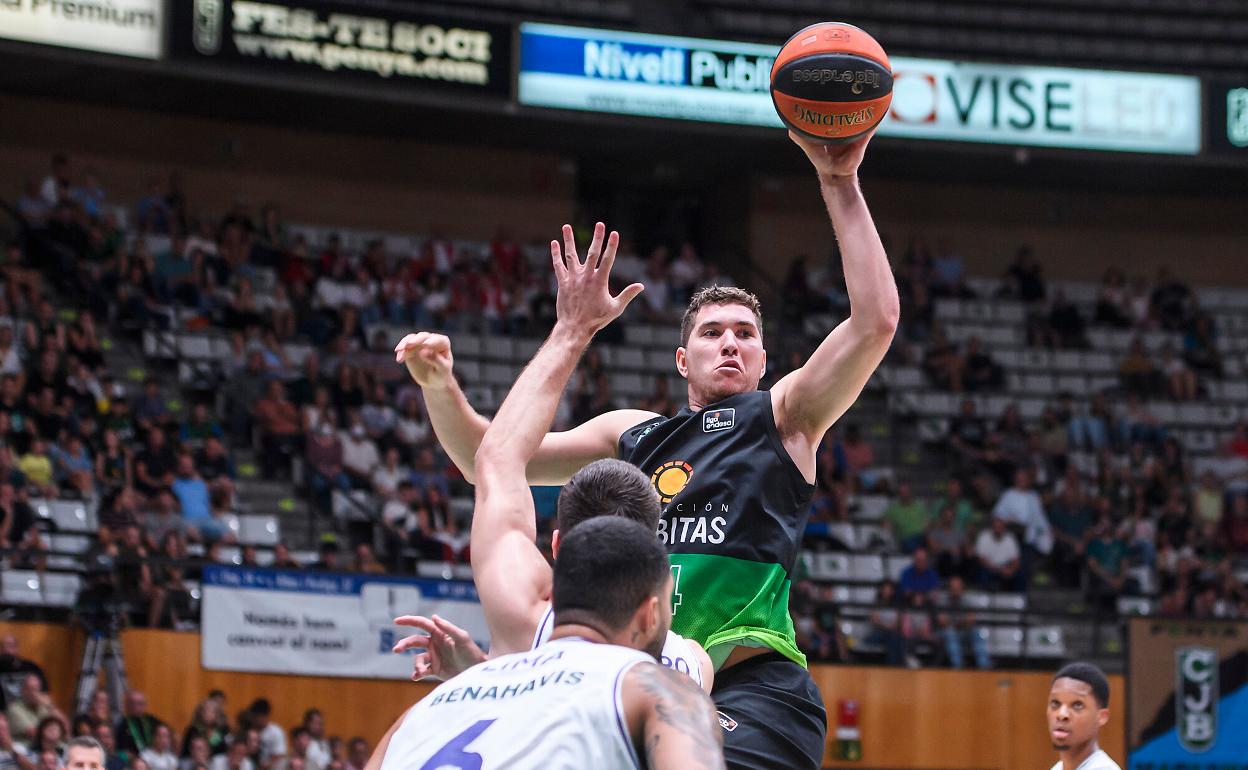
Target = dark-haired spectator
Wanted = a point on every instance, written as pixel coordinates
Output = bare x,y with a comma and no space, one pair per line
1065,324
1138,373
907,518
1022,506
958,629
154,465
14,669
325,466
73,466
329,557
1024,279
1170,302
277,419
357,754
200,427
366,561
214,464
359,453
1071,520
947,543
159,755
1107,556
981,372
318,756
17,520
919,578
235,758
886,625
36,466
151,409
272,736
113,759
428,477
967,434
31,708
243,390
943,363
282,558
1200,347
999,557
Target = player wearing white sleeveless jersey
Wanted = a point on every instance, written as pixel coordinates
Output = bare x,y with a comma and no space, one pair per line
558,706
678,653
511,573
1078,709
591,697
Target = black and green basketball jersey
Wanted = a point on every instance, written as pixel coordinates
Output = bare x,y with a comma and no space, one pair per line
734,509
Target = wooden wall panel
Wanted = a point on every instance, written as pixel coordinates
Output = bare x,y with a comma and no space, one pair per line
911,720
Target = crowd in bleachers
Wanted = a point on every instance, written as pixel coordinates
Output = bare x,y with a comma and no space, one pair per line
34,730
281,336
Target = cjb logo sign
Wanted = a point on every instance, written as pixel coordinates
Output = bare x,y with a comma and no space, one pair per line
1196,697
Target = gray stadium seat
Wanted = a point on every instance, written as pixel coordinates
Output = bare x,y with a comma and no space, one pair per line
258,530
60,589
1005,641
866,568
1045,642
869,507
20,587
830,566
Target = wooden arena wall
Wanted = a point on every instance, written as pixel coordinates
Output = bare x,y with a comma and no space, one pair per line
910,720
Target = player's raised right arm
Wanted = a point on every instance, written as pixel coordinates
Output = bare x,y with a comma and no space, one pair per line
672,719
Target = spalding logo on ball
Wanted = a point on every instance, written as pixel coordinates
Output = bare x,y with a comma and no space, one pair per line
831,82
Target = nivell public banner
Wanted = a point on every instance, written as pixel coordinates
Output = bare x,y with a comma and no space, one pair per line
124,27
1187,687
335,39
321,624
728,82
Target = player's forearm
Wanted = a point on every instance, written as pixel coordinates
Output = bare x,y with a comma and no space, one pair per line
873,303
526,414
456,424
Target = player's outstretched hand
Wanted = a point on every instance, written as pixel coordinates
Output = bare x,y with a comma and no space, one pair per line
584,299
428,358
448,650
834,161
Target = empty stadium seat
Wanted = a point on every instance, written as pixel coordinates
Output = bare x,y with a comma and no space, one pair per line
66,515
21,587
1045,642
258,530
869,507
60,589
1005,641
830,567
1134,605
895,565
866,568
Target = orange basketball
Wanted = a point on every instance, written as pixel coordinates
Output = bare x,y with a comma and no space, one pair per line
831,82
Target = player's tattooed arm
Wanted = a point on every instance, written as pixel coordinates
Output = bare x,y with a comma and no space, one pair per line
678,725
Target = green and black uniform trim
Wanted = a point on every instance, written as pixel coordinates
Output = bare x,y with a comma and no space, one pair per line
734,509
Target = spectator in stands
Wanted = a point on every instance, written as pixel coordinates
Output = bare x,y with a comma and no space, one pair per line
50,735
34,210
1021,506
1170,301
31,707
282,558
319,411
1138,374
859,459
1139,532
967,434
13,671
948,543
1200,347
359,453
329,553
366,561
659,401
160,756
1088,425
965,515
1071,520
136,729
325,462
272,736
214,464
1106,565
162,519
151,409
207,726
1065,324
318,756
243,390
194,499
1024,279
37,467
154,466
386,478
17,520
197,756
906,518
12,755
999,558
235,757
1112,303
357,754
943,363
919,577
198,429
73,467
112,463
277,420
412,427
957,627
981,372
428,477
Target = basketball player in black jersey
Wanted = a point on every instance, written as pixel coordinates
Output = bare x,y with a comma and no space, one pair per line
734,469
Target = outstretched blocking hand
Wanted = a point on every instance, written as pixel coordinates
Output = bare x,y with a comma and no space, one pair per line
584,301
834,161
428,358
448,650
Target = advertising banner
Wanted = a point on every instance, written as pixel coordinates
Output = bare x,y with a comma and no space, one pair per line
628,73
337,40
1228,118
123,27
321,624
1187,684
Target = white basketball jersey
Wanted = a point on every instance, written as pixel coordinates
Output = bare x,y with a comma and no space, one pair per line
677,654
1097,760
555,708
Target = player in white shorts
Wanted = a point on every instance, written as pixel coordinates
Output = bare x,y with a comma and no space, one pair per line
591,697
512,576
1078,709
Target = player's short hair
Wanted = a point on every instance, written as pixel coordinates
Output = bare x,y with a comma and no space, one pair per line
1091,675
87,742
606,568
718,295
607,488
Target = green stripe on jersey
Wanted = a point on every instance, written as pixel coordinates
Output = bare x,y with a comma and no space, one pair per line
722,602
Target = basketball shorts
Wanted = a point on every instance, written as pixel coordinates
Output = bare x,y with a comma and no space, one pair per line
772,715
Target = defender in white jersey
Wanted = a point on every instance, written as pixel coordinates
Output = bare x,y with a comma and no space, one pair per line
591,697
512,576
1078,709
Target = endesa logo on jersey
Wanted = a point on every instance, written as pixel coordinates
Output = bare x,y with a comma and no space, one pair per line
718,419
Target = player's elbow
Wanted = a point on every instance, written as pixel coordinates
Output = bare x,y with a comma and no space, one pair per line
879,323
